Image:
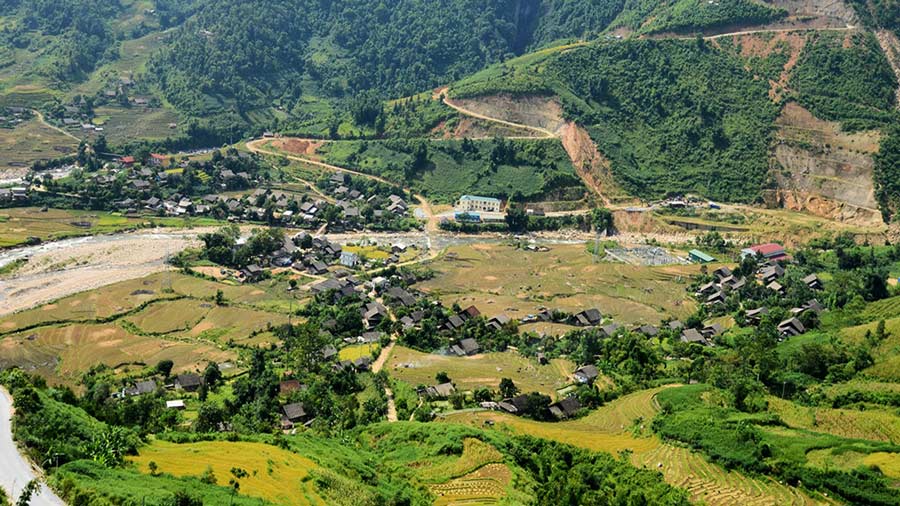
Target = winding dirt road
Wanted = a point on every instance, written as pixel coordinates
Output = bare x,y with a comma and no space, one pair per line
15,470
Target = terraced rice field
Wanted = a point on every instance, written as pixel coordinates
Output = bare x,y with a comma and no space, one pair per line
276,475
101,303
888,463
229,323
872,424
887,355
498,278
417,368
710,484
63,354
618,426
171,316
885,308
486,485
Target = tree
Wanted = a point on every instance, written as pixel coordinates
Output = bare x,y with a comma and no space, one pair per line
602,219
153,467
516,218
164,367
212,375
238,474
508,388
220,298
442,377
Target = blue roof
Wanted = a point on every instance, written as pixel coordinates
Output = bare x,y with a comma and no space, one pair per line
479,199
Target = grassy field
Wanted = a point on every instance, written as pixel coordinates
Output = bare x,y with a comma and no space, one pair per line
17,224
468,373
538,169
62,354
624,425
276,475
32,141
501,279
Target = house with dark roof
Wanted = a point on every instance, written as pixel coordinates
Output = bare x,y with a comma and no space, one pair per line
453,322
588,318
401,296
469,346
141,388
470,312
441,391
647,330
813,282
586,373
188,382
497,322
566,408
514,405
292,415
754,316
791,327
693,336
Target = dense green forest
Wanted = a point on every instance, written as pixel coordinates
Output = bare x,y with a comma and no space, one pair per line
853,84
878,13
649,16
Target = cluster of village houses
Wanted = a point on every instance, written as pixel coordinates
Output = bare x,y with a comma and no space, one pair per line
770,271
12,116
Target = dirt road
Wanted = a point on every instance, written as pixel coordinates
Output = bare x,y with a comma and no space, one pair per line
15,470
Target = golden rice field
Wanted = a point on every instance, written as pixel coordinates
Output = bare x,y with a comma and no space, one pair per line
485,370
276,475
873,424
888,463
358,351
499,278
618,426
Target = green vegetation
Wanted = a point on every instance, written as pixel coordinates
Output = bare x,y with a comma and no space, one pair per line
686,16
444,170
887,175
847,82
698,122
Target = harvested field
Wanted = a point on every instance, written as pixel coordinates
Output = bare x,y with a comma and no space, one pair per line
62,354
167,317
501,279
229,323
468,373
101,303
276,475
29,142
